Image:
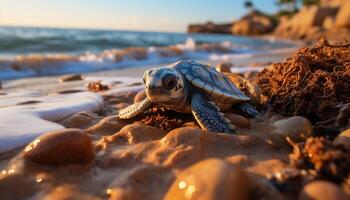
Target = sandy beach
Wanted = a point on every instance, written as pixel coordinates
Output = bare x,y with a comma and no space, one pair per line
90,153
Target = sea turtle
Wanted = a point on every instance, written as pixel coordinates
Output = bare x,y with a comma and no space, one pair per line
190,87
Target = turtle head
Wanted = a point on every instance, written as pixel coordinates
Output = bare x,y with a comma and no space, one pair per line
164,85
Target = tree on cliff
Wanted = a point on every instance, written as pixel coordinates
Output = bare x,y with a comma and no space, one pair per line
310,2
249,5
289,5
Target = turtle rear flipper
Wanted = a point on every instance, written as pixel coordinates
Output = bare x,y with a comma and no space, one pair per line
209,116
246,108
135,109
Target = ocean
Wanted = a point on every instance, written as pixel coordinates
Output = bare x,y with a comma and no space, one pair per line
30,52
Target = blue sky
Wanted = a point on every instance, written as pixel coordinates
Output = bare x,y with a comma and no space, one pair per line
150,15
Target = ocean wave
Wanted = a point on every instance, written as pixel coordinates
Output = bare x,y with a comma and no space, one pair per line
54,64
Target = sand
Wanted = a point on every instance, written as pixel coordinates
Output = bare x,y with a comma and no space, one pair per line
158,155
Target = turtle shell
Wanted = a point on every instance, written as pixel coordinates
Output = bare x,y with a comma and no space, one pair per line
210,81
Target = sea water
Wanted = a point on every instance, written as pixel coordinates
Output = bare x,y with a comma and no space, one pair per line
30,52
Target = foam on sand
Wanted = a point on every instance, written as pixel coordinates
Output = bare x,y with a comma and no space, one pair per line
24,116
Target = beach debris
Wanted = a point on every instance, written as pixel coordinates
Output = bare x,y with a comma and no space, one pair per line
68,146
97,86
290,181
319,190
296,128
71,77
210,92
313,83
224,67
322,158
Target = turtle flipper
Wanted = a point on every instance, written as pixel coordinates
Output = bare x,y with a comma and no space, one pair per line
209,116
135,109
246,108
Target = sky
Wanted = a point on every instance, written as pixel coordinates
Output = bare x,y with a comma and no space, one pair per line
147,15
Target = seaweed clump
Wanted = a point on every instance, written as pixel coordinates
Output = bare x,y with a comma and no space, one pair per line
314,83
96,86
322,159
164,118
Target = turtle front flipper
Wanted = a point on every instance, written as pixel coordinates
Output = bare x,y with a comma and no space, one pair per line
209,116
135,109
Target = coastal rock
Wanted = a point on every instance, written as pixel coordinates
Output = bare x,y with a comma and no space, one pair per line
328,23
224,67
140,96
297,128
210,179
80,120
68,146
343,16
209,27
71,77
302,24
238,120
322,190
255,23
107,126
343,138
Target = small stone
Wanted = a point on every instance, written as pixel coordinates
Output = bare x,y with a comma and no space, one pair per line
107,126
71,77
210,179
343,138
68,146
297,128
238,120
216,179
140,96
224,67
322,190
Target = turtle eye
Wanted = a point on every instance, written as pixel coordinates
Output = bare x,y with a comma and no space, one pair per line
169,81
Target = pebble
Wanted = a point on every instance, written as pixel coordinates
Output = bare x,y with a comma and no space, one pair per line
224,67
216,179
343,138
238,120
221,181
71,77
322,190
140,96
68,146
297,128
